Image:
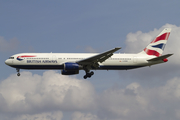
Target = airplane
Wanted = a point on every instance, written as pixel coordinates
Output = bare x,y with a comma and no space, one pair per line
71,63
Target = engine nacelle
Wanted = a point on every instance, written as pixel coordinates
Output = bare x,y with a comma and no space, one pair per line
70,72
71,66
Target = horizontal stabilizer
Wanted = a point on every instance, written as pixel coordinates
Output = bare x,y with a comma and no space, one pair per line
160,58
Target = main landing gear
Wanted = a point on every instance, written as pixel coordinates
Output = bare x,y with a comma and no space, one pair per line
17,69
88,74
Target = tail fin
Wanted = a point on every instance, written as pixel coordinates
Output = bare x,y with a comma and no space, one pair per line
156,47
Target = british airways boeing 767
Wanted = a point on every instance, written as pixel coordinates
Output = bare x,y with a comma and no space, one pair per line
71,63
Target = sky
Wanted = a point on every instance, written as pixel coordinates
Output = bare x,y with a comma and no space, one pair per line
58,26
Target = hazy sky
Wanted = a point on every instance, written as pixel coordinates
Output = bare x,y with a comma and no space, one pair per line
89,26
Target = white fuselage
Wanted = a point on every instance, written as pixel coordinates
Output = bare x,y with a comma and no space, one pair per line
56,60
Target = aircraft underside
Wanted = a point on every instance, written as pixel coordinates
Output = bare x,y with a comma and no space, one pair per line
55,67
61,67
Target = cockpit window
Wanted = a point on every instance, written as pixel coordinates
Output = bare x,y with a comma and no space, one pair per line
11,57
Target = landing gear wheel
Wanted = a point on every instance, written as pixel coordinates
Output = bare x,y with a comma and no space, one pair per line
17,69
18,74
85,77
88,74
92,73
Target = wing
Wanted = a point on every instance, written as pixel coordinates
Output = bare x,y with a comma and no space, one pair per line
98,58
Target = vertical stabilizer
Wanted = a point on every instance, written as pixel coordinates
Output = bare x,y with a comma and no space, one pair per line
156,47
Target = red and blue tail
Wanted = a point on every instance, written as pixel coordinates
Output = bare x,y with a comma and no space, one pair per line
156,47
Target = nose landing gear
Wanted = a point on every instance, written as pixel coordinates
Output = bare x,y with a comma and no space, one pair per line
17,69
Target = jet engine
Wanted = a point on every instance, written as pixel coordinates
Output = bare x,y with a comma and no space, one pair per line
72,66
69,72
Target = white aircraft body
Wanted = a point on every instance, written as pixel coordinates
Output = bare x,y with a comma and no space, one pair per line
71,63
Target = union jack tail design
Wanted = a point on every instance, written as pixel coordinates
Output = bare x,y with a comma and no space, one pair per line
156,47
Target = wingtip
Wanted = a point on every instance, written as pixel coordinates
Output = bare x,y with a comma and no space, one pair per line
171,54
118,48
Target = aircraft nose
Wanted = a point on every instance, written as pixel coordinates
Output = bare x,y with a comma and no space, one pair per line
7,62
